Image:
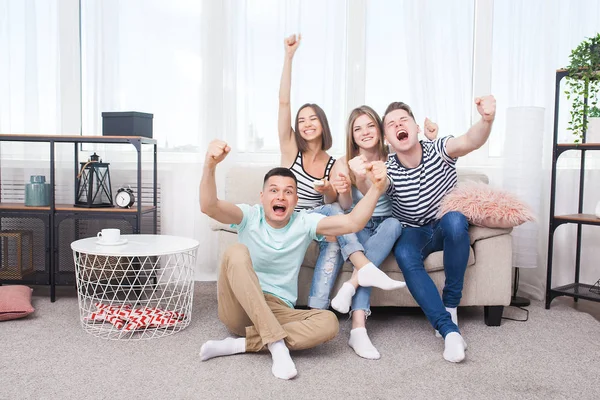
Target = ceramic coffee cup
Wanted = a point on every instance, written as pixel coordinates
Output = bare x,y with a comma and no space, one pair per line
109,235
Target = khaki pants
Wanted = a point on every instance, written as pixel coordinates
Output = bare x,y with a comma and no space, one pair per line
262,318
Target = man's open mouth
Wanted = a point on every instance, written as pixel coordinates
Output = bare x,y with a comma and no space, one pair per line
401,135
279,209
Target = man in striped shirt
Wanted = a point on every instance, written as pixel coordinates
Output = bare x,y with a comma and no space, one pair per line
420,174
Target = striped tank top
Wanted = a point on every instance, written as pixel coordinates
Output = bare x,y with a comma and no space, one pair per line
308,197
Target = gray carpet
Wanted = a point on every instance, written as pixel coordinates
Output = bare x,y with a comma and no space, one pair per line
556,354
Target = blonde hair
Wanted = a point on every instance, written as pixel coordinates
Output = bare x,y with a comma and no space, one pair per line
352,148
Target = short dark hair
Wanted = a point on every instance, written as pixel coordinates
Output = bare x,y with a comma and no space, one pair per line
280,171
326,138
398,105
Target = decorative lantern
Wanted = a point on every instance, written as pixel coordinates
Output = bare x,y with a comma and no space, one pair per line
93,184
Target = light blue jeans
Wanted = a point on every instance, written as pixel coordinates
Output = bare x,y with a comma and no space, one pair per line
378,238
451,234
331,258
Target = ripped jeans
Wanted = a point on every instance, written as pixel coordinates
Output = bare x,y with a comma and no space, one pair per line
378,238
330,260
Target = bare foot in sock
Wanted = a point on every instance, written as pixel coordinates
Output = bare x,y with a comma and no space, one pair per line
343,299
283,365
370,275
453,316
361,344
454,347
225,347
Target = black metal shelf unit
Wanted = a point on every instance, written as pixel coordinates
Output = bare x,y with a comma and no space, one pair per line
55,226
576,289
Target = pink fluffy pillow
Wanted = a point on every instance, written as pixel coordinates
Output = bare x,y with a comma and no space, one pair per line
15,302
486,206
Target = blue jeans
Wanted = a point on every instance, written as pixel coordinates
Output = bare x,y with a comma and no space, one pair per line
451,234
378,238
330,261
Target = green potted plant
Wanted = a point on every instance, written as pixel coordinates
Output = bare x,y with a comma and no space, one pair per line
583,84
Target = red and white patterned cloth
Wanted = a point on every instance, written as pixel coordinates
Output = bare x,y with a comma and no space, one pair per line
128,319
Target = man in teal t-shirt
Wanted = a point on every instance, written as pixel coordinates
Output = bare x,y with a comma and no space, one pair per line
258,279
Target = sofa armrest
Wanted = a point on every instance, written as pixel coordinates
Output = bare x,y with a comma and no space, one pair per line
218,226
479,233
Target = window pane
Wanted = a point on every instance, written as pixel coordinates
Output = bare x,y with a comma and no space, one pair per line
420,52
29,70
143,55
532,39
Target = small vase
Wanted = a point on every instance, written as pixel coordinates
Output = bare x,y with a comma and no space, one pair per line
37,192
598,210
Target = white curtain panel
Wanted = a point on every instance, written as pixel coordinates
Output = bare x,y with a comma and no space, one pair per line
29,95
522,176
532,39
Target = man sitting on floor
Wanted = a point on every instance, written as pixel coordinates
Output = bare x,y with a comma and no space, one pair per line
258,279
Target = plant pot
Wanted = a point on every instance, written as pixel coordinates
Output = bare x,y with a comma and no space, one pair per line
593,130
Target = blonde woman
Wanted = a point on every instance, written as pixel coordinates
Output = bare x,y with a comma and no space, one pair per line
365,144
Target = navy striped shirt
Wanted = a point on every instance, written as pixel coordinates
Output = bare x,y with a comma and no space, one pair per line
308,197
416,193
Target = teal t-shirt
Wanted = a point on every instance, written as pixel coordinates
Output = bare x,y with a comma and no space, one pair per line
277,254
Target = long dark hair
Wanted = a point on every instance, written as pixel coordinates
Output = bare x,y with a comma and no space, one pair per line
326,138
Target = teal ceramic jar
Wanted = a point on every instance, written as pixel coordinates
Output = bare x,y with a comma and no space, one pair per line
37,192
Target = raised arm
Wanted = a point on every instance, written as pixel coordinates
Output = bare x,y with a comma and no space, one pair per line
359,216
223,211
287,142
478,134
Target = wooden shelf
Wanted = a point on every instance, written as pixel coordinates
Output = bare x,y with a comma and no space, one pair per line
21,207
70,208
579,218
578,146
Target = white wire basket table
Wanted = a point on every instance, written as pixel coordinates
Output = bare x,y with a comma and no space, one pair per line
141,289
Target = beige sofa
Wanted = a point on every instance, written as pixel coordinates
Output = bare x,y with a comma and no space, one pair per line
487,279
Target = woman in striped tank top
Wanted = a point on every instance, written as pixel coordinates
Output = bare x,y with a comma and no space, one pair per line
304,151
365,144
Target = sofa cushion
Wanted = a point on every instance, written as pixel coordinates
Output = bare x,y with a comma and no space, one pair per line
15,302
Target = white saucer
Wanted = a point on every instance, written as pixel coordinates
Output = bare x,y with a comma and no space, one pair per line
117,243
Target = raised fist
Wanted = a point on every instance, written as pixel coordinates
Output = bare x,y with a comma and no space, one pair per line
216,152
341,183
291,44
486,107
378,174
430,129
359,166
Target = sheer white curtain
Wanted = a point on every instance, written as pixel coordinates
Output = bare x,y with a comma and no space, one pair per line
416,55
29,71
531,40
319,71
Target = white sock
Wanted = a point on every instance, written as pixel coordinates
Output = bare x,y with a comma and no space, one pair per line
454,347
283,366
343,299
453,317
360,342
370,275
225,347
